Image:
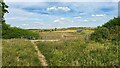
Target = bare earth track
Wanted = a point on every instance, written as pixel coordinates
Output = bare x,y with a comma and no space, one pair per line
43,40
41,57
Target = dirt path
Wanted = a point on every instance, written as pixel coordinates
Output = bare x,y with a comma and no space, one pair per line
43,40
41,57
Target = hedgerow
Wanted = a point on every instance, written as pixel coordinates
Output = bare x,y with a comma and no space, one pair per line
14,32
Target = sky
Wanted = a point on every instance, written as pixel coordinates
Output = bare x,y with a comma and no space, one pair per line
45,15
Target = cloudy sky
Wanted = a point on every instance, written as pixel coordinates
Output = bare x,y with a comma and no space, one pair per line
39,15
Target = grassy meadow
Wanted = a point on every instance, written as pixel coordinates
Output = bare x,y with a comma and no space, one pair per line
18,52
76,50
25,43
72,49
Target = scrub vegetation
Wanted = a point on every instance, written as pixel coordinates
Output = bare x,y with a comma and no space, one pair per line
18,52
89,47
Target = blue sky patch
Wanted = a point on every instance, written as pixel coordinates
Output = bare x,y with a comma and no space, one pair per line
60,14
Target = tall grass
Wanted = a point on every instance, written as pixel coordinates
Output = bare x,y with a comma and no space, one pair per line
73,50
0,52
78,52
18,52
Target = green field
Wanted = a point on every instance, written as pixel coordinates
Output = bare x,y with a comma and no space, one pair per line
72,49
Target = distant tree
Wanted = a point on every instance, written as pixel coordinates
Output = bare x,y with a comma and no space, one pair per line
52,29
55,29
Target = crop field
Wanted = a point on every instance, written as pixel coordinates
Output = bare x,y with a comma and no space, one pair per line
72,49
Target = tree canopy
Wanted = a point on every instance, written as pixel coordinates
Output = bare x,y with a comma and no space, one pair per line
3,10
108,31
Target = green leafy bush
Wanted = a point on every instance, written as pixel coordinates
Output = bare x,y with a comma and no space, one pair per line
100,34
108,31
14,32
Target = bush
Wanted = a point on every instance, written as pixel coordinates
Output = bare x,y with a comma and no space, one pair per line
14,32
110,30
100,34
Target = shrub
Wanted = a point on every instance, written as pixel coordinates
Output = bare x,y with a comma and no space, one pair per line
100,34
110,30
14,32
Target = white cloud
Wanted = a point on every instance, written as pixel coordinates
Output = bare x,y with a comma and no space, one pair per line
85,20
66,9
20,18
72,21
56,20
24,24
61,20
98,15
92,15
33,25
